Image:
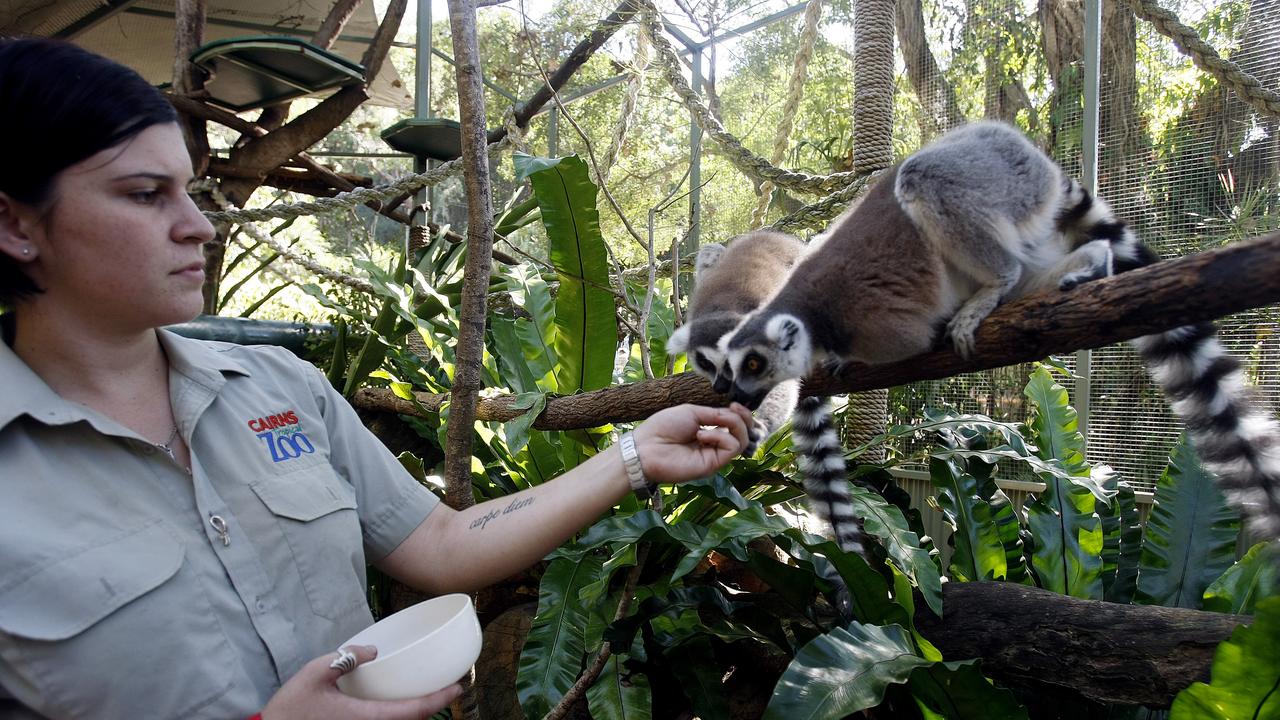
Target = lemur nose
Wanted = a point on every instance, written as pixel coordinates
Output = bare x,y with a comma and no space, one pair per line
721,385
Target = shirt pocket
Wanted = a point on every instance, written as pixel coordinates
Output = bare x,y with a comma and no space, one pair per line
316,513
94,631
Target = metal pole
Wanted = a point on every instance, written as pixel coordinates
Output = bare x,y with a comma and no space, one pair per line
422,86
422,98
695,162
1089,161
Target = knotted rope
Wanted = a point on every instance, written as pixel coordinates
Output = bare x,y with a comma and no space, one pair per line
1248,87
795,91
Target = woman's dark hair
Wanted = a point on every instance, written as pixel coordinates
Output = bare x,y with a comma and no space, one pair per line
60,104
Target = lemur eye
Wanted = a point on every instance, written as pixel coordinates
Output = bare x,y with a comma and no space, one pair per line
753,364
704,363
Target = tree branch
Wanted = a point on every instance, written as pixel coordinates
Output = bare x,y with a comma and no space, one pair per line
1131,654
577,58
1191,289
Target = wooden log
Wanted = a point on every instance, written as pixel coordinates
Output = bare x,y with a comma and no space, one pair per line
1038,641
1198,287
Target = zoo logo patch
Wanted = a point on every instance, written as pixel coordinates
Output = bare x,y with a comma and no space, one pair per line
283,436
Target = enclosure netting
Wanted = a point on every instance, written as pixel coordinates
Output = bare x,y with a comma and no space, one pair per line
1185,162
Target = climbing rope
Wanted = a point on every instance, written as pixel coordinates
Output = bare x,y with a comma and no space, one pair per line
230,210
817,214
749,163
1204,56
406,185
630,101
795,91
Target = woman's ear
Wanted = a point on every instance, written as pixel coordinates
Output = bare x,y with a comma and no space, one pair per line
16,221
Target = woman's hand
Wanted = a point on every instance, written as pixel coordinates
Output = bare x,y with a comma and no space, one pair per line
313,693
674,445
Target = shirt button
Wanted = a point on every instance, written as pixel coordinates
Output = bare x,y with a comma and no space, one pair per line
261,605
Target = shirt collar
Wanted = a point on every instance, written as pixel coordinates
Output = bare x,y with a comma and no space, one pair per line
197,358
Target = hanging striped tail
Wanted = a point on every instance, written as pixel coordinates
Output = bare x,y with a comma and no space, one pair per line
821,460
1238,441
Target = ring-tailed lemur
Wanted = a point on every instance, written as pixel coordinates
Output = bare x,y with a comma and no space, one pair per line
730,283
978,217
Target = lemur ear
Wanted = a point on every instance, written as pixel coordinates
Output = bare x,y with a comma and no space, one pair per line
790,329
679,340
782,331
708,256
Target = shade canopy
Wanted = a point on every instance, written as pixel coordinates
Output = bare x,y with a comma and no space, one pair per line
139,33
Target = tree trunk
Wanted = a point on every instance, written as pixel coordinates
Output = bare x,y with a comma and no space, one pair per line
467,379
1041,642
940,111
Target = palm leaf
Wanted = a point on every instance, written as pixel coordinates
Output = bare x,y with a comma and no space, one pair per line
842,672
586,323
1245,680
1256,576
554,648
1190,536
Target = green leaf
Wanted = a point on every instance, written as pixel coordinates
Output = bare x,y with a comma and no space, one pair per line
620,695
509,350
730,533
645,525
887,523
554,648
1190,536
516,430
959,691
537,333
1067,556
977,536
1245,678
586,322
1254,577
1054,426
842,672
1121,543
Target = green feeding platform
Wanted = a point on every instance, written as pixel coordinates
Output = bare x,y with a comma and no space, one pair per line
434,138
255,72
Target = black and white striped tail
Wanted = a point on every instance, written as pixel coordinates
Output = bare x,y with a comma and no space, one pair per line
821,460
1237,439
1088,218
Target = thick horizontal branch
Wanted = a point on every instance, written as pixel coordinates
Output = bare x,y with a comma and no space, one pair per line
1040,642
1191,289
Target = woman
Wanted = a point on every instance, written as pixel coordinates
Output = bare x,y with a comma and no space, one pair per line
185,525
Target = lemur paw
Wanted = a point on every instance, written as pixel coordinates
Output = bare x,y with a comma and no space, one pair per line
1070,281
755,435
961,330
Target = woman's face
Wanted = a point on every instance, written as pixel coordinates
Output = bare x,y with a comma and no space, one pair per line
122,242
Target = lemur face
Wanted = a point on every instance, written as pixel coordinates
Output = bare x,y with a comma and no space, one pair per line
764,352
699,340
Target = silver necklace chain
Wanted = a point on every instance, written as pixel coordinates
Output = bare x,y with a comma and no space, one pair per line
167,445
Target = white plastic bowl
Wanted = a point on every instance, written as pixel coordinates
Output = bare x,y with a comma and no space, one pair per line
421,649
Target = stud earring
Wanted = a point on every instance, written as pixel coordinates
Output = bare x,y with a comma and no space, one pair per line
26,251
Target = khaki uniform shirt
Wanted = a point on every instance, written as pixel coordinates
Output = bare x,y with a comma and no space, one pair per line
132,589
